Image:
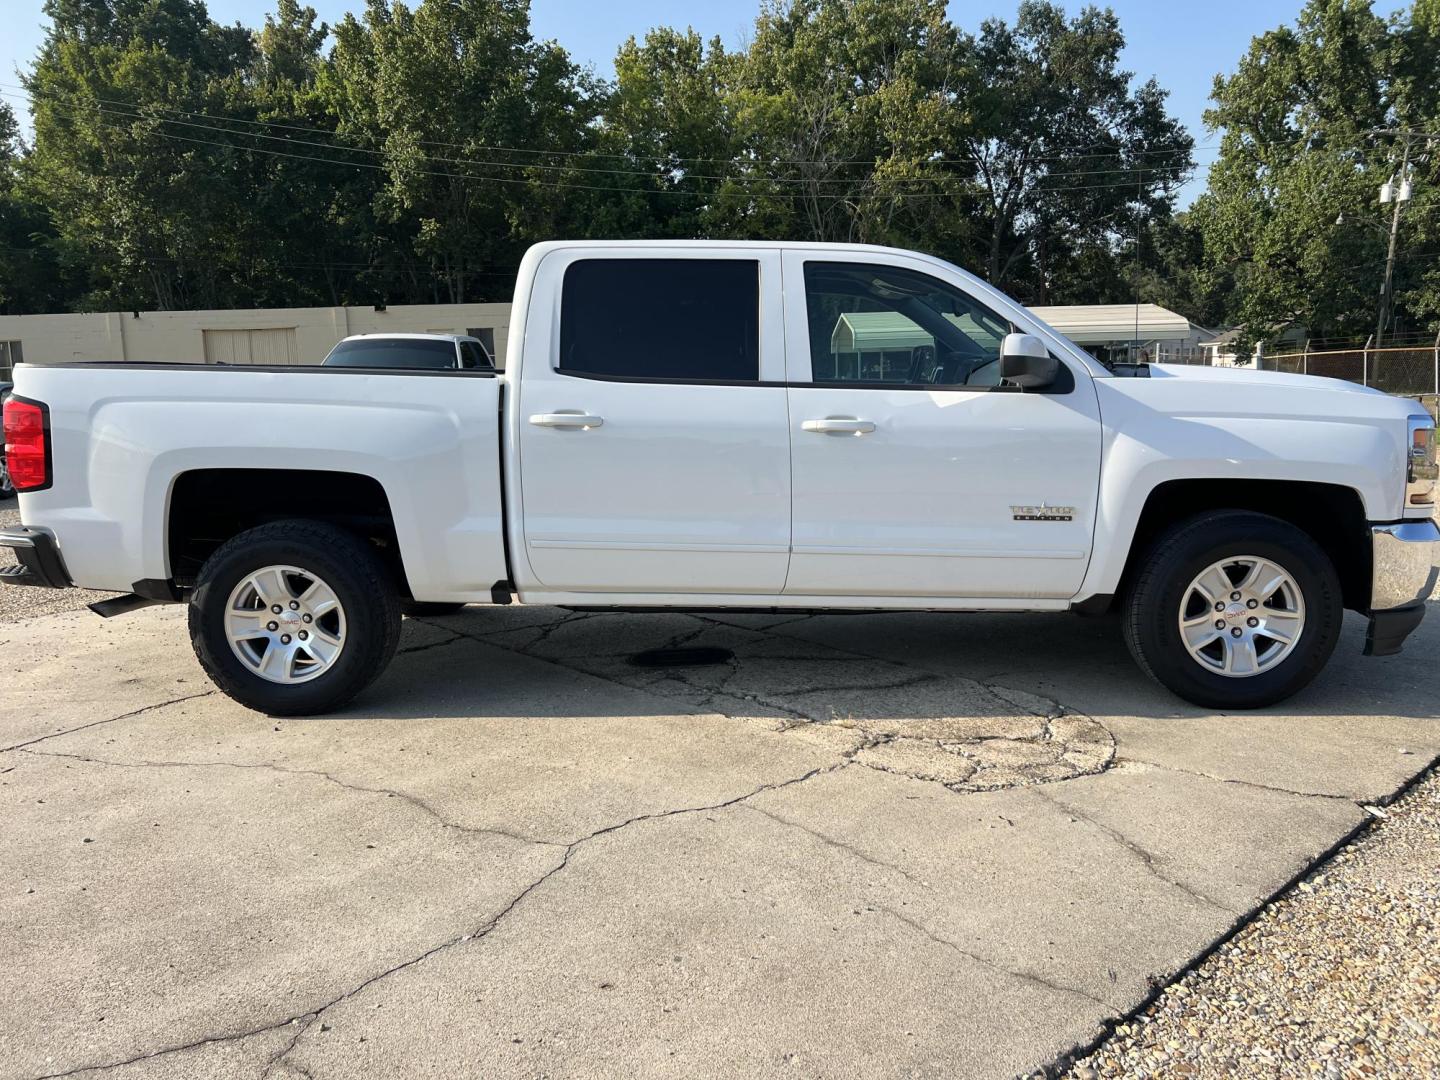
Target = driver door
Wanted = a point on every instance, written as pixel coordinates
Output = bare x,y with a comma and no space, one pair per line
912,468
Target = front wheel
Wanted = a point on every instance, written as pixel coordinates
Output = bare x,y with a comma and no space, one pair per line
1234,610
294,617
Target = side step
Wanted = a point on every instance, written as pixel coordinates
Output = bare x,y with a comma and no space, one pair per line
119,605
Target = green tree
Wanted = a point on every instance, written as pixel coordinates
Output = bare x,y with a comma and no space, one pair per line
460,99
667,136
142,207
834,124
1069,158
33,275
1414,89
1292,232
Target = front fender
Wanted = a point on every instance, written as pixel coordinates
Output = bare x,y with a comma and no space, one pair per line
1157,433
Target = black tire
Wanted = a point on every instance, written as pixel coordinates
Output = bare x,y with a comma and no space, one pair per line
1152,607
351,568
422,608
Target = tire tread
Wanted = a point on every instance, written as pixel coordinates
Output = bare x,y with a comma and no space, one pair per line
377,648
1156,566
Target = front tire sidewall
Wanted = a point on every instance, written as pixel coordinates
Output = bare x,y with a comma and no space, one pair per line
1155,610
350,570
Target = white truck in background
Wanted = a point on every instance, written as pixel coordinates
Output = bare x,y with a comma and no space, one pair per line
767,426
391,350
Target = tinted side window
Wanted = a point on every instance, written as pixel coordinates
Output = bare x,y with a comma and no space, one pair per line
662,319
884,324
472,355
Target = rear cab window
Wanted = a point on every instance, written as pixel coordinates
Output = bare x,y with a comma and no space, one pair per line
661,320
393,353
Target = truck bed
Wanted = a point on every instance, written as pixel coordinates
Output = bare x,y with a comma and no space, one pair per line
125,434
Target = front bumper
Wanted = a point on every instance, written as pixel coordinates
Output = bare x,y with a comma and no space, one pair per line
1406,567
39,558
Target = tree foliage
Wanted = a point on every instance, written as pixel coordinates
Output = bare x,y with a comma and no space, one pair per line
1293,235
412,151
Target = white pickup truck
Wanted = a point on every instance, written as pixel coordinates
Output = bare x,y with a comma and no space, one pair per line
741,426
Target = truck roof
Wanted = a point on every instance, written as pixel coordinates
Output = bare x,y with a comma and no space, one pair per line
411,337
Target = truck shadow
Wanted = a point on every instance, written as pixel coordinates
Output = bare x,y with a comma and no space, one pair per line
819,668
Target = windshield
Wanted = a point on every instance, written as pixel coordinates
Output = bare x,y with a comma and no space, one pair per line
393,353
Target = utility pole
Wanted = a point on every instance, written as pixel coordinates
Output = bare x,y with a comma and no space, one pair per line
1399,194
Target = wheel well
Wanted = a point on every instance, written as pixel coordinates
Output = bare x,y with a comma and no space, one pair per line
209,506
1332,515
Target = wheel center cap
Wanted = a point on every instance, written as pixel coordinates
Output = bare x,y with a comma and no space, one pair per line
1235,612
290,617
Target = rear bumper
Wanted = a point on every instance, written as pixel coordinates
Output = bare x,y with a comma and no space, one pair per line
39,559
1406,561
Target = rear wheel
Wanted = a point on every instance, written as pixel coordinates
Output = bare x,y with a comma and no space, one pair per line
1234,610
294,618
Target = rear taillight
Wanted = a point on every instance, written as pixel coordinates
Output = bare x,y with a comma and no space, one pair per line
27,443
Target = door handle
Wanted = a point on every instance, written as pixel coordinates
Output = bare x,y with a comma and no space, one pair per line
839,425
567,419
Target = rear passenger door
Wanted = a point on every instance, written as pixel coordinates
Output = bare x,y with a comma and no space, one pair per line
653,429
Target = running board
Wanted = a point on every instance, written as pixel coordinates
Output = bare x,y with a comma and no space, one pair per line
119,605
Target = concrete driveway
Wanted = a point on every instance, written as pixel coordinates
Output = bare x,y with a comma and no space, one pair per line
872,845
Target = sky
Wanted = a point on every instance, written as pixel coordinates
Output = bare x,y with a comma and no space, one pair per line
1183,45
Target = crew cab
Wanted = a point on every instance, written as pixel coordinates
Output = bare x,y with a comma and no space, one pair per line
752,426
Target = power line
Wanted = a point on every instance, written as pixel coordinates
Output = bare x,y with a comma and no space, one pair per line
1138,170
716,194
1056,154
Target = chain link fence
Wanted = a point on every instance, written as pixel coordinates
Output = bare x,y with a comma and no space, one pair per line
1411,370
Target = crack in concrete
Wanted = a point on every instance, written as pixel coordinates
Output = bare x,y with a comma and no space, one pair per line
1127,759
840,845
570,849
393,793
276,1058
432,645
1003,693
729,701
108,720
741,697
710,695
1146,858
985,682
309,1017
1024,976
209,1040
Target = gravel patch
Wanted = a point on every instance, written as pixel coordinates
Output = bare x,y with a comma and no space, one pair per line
1338,978
27,603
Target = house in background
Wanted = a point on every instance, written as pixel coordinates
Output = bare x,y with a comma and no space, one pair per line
1222,350
1130,333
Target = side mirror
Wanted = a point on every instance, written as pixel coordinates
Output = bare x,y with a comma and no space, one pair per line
1026,362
